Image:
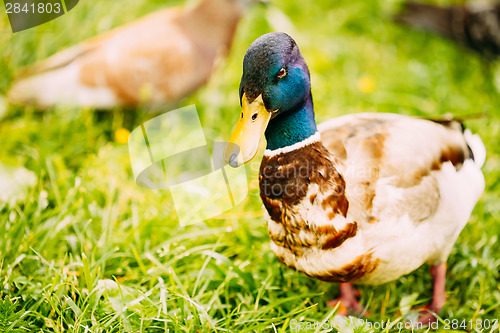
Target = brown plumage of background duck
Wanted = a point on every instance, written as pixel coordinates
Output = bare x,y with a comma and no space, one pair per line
158,59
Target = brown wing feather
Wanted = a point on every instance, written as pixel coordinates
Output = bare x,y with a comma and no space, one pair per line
405,151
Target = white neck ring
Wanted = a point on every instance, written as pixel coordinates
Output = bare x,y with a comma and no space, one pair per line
316,137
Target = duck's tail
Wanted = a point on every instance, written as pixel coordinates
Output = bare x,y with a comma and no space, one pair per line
57,80
59,86
476,147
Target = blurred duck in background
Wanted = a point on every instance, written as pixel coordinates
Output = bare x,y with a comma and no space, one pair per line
475,27
158,59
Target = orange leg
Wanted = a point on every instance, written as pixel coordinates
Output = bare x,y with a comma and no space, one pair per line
438,295
348,300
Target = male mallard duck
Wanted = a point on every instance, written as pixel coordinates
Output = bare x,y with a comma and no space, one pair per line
159,58
475,27
363,198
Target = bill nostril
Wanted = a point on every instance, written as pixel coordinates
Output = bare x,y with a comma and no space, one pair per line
233,160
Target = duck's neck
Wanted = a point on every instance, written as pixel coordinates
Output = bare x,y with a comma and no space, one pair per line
292,128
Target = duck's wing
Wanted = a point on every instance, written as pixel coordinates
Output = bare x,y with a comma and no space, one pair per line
395,165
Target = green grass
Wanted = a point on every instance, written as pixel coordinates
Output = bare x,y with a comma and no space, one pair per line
88,250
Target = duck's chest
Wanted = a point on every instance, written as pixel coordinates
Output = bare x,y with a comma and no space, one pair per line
299,181
304,196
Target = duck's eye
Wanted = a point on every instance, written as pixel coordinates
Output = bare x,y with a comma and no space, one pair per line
254,116
282,73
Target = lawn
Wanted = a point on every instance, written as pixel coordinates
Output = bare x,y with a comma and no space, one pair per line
87,250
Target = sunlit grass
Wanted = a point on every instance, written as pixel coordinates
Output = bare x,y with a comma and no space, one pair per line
88,249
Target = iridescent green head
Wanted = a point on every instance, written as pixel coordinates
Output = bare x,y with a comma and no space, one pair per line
275,94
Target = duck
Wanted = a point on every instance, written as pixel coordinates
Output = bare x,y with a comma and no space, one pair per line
475,27
156,60
362,198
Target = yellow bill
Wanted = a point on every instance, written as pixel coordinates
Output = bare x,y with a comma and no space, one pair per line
245,140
